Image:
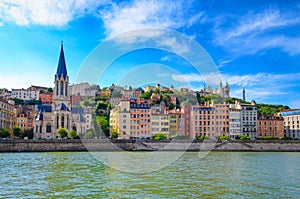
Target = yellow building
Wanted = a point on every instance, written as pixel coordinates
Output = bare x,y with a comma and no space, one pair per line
7,115
113,120
173,125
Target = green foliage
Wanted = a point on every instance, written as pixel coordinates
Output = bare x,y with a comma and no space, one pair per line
17,131
224,138
103,121
49,90
4,133
146,95
268,138
244,137
114,133
89,134
160,136
103,105
72,134
62,132
270,109
286,138
27,133
202,138
87,103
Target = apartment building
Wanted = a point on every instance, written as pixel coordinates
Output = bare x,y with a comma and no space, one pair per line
270,125
160,124
7,116
291,123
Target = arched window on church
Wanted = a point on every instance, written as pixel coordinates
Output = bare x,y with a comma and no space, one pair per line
61,88
57,121
56,88
66,89
48,128
67,122
62,121
41,128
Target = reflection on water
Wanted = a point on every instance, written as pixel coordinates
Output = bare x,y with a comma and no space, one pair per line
219,175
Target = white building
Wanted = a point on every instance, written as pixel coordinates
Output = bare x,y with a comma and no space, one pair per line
84,89
291,123
25,94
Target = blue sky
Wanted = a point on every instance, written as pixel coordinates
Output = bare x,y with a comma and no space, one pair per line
255,44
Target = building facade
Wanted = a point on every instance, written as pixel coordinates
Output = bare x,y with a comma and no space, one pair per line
270,125
291,123
7,116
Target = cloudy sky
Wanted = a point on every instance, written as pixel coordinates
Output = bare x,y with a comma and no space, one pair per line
253,44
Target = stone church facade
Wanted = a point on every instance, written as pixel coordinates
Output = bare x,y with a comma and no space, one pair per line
50,117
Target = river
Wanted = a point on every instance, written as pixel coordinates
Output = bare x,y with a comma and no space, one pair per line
218,175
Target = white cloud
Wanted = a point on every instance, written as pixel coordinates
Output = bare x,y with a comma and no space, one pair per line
142,14
252,33
45,12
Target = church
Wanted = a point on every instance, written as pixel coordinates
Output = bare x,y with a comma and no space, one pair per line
50,117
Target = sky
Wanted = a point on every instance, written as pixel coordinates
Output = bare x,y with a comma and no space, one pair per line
251,44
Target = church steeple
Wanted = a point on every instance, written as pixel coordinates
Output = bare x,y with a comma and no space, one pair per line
61,68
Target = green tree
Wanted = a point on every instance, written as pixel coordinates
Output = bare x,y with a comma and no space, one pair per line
160,136
114,133
62,132
49,90
104,123
4,133
85,103
27,133
73,134
89,134
17,131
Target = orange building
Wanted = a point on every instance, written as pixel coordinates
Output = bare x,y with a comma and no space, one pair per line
46,98
24,117
270,125
140,118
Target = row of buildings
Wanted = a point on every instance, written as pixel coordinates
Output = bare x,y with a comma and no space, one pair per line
132,117
135,118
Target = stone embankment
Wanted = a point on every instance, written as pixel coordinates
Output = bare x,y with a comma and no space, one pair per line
145,145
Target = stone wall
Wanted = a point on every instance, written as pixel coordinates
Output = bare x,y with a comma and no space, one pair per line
144,145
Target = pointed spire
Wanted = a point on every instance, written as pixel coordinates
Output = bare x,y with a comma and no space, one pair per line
61,68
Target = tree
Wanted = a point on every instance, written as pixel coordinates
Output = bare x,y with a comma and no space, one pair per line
28,134
103,122
89,134
85,103
62,132
72,134
4,133
49,90
160,136
17,131
114,133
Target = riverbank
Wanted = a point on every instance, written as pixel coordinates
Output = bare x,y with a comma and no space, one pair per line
147,145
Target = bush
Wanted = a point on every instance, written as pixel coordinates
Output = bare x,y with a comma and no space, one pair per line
202,138
72,134
268,138
160,136
62,132
27,133
244,137
286,138
224,138
17,131
4,133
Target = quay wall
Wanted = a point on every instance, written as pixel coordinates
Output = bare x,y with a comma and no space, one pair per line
146,145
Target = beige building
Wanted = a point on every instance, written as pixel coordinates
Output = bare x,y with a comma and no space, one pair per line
291,123
7,116
84,89
249,120
160,124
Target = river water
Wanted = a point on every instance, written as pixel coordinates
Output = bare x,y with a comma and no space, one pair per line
218,175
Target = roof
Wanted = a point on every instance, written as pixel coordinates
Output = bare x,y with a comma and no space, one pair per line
61,68
40,116
82,119
62,107
44,108
77,110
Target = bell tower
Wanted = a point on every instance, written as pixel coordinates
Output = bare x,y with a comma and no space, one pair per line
61,105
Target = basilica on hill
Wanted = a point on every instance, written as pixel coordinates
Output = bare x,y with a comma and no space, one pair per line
50,117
